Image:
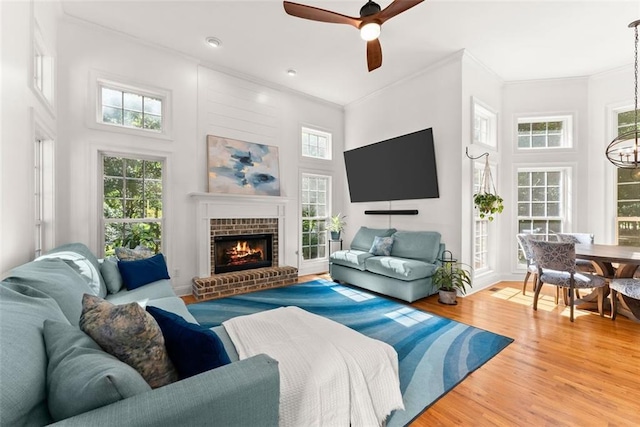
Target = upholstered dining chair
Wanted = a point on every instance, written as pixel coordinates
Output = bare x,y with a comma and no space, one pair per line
628,287
556,262
583,265
531,266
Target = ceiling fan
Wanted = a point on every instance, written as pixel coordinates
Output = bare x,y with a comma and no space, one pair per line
369,22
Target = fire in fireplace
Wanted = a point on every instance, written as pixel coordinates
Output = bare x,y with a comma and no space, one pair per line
242,252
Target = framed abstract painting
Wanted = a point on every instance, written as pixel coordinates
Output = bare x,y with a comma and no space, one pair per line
241,167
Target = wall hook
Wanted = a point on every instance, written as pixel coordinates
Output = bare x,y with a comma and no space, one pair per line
466,150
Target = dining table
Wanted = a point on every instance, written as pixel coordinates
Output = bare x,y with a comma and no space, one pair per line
612,262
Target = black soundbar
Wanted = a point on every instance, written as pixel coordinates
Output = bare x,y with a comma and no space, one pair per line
393,212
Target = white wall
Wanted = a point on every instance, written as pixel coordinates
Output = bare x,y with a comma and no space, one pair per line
481,84
86,50
431,98
548,97
21,108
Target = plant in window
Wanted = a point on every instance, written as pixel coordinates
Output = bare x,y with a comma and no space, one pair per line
487,201
336,225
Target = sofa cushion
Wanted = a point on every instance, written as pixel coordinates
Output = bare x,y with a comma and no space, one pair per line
421,245
58,280
79,257
81,376
159,289
350,258
143,271
111,275
192,348
363,239
400,268
23,357
381,246
132,335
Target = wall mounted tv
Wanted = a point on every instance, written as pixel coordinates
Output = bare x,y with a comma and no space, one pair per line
400,168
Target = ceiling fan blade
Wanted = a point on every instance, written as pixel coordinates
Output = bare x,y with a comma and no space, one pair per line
374,54
396,7
316,14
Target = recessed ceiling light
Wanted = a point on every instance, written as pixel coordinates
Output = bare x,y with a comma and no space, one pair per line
213,42
292,72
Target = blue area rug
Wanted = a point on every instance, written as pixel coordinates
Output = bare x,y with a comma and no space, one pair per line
434,353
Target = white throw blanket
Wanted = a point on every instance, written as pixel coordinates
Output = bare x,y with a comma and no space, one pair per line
330,375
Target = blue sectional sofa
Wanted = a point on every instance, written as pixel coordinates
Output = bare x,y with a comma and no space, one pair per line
404,274
242,393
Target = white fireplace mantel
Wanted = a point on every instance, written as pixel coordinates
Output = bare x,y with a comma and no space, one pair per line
216,206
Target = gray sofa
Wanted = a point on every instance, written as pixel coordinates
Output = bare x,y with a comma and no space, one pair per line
241,393
404,274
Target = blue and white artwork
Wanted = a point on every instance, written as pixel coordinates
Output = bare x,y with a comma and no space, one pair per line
242,167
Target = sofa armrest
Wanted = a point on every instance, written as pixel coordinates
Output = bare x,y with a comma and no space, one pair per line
242,393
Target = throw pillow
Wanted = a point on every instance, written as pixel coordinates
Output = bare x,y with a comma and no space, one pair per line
192,348
381,246
140,252
132,335
81,376
144,271
111,274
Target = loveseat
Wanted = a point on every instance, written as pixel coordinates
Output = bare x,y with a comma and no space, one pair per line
404,273
240,393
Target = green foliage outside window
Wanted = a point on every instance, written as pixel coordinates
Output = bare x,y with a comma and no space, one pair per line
132,203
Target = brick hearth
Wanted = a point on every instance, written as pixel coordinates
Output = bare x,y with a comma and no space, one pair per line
240,282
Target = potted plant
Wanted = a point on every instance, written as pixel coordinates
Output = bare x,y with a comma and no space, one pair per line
450,278
336,225
488,204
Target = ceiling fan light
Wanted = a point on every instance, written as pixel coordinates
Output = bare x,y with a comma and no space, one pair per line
370,31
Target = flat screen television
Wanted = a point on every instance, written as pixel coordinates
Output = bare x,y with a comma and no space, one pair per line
400,168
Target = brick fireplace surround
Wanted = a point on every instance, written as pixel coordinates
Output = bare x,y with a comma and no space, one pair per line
228,215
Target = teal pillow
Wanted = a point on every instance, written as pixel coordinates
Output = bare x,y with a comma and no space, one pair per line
111,274
142,272
129,333
80,258
58,280
381,246
363,239
81,376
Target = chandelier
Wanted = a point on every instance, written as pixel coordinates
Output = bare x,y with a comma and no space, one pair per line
624,151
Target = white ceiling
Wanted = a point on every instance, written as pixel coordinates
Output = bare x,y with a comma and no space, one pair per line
518,40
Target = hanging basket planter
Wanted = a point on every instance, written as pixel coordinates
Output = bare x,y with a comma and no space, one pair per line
487,200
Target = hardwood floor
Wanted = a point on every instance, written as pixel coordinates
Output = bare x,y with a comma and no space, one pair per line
555,373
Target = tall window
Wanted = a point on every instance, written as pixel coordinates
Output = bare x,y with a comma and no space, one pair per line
542,201
628,192
544,132
38,192
131,110
316,144
481,225
315,213
485,125
43,72
132,203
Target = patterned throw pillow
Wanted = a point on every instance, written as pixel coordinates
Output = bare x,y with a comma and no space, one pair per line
381,246
140,252
132,335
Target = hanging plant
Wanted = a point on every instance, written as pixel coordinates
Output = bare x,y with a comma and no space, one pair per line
487,200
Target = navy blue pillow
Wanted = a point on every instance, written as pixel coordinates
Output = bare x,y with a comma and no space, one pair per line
192,348
141,272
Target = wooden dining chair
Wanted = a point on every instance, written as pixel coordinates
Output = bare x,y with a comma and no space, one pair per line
629,287
556,262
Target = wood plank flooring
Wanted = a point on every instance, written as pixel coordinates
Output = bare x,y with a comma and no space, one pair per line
555,373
